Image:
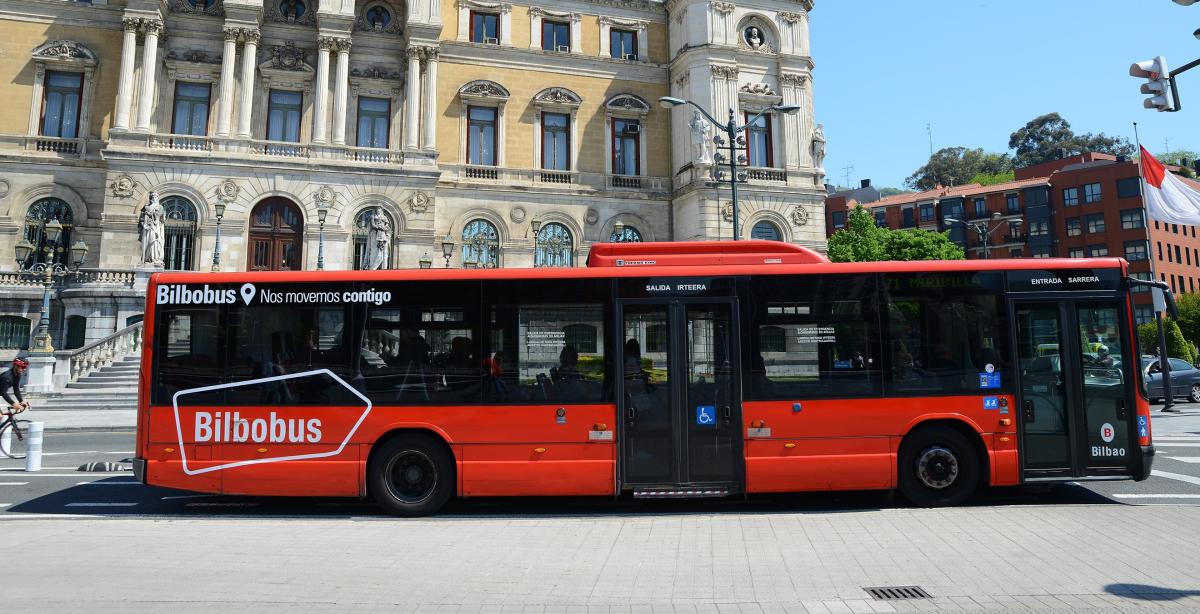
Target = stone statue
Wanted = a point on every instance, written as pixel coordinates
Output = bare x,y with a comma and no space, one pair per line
818,146
700,138
152,232
754,37
379,240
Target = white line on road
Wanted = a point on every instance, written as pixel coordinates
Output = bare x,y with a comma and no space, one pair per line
71,468
1185,459
118,483
5,504
13,483
185,497
19,516
1168,444
1134,496
99,474
1176,476
218,504
102,504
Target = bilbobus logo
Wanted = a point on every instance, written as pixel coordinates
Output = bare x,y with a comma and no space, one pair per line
183,295
218,427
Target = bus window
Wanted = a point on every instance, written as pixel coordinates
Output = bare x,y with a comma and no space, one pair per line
188,353
813,337
946,334
545,353
420,354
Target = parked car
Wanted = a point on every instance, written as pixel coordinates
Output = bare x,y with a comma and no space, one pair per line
1185,379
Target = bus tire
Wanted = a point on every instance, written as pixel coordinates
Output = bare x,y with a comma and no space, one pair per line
412,475
938,467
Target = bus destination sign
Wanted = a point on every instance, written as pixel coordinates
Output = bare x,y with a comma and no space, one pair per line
678,287
1070,280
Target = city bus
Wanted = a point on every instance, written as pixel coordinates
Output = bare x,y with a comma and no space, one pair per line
659,370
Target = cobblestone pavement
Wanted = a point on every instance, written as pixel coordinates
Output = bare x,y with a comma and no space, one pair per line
1001,558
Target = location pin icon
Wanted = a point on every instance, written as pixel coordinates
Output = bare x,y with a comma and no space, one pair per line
248,292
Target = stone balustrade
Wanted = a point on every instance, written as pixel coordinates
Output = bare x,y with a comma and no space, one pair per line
71,365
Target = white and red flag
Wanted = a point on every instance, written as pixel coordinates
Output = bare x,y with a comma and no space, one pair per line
1168,198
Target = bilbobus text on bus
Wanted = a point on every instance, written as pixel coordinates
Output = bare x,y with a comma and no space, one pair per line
659,370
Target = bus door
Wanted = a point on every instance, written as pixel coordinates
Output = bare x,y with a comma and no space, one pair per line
1076,406
680,397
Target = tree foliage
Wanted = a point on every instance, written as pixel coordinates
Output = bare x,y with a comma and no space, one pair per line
1189,316
1049,137
993,178
1177,345
957,166
862,241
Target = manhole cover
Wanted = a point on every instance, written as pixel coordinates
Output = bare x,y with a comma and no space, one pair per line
893,593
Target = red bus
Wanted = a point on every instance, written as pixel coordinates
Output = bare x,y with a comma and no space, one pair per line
659,370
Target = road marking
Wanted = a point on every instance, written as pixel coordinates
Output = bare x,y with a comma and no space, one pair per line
119,483
185,497
20,516
1177,476
104,504
1157,496
5,504
13,483
218,504
1185,459
71,468
1168,444
99,474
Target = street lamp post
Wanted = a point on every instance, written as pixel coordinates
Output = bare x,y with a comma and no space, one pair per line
48,273
425,262
447,248
982,230
322,214
216,265
732,140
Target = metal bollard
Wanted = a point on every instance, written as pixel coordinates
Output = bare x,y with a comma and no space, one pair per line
33,458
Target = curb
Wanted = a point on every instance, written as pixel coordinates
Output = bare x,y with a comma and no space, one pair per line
92,429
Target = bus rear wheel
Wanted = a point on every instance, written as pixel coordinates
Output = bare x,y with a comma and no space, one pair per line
938,467
412,475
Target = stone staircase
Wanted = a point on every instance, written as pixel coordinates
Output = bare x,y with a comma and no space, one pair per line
110,387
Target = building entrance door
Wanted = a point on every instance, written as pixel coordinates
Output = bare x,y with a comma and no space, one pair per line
276,236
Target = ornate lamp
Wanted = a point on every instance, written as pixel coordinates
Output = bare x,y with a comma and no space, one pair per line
447,248
619,231
79,252
54,230
425,262
322,214
220,211
24,249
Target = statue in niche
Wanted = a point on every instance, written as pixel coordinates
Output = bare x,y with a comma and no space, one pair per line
700,138
152,231
754,37
379,240
818,146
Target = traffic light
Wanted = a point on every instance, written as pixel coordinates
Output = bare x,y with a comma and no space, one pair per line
1158,84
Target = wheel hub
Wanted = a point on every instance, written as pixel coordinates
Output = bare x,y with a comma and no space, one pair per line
412,476
937,467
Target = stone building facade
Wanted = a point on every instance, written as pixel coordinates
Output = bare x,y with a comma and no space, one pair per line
514,134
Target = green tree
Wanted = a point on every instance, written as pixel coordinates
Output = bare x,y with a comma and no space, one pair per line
993,178
1049,137
1177,345
886,192
1189,316
956,166
862,241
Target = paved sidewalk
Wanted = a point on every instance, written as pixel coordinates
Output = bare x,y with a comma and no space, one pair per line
1034,557
84,420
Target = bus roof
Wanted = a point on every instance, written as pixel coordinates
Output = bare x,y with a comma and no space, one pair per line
663,260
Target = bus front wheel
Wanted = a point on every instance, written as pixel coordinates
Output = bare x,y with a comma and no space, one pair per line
938,467
412,475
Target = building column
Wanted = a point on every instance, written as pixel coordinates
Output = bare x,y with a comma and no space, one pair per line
228,58
431,63
149,72
796,150
249,69
321,89
413,100
125,86
341,91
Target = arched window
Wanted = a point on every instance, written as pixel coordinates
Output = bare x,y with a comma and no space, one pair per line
179,249
378,17
14,332
481,244
134,319
766,231
554,246
40,213
276,236
362,229
626,234
293,9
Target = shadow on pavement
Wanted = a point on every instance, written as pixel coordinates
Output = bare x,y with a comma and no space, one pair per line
118,497
1146,592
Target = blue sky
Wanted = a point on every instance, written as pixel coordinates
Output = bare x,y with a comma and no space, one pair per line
979,69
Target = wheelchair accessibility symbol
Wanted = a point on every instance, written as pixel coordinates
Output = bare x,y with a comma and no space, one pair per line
706,415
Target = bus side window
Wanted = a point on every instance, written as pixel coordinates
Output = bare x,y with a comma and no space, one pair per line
188,346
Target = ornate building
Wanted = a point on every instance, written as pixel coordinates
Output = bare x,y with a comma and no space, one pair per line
338,134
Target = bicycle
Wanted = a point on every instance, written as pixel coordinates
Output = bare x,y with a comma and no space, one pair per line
14,440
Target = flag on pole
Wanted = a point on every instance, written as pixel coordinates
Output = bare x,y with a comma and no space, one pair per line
1168,198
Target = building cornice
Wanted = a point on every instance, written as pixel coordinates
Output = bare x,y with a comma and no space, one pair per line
75,14
537,60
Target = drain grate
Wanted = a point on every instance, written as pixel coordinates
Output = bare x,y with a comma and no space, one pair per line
893,593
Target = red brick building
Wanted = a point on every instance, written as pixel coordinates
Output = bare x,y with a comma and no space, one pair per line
1083,206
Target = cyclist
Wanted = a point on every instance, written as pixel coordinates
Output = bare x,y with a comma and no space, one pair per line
11,378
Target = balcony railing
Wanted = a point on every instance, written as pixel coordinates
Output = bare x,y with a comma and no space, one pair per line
45,145
180,143
766,174
105,277
625,182
280,148
549,176
372,155
482,172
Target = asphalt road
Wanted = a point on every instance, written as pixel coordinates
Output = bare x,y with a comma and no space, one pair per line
61,489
